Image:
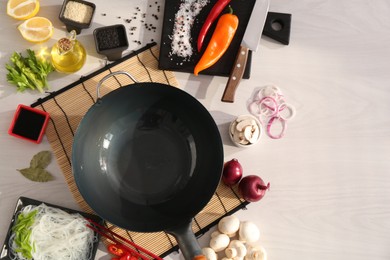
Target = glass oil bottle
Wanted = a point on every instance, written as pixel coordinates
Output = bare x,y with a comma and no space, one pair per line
68,55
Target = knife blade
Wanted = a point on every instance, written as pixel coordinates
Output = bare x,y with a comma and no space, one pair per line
250,41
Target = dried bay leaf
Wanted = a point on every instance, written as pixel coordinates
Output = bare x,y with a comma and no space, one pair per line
41,160
36,174
36,171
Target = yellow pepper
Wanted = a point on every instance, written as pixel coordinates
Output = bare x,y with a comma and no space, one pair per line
219,42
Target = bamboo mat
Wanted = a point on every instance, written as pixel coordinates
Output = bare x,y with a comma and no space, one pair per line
67,107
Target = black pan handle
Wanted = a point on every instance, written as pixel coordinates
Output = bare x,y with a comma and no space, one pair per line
109,75
187,241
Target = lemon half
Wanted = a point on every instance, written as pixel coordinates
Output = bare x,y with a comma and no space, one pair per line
22,9
36,29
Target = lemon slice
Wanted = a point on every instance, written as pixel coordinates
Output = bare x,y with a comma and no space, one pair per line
36,29
22,9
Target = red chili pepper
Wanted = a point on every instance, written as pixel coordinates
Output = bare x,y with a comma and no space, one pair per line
116,250
214,13
127,256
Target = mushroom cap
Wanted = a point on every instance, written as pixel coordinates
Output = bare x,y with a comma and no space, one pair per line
236,249
209,253
229,225
219,242
256,253
248,232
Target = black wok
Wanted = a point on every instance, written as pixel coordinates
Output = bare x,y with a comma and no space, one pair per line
148,157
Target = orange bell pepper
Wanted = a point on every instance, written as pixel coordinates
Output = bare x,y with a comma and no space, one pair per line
220,40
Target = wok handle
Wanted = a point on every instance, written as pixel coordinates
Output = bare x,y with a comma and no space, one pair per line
187,241
109,75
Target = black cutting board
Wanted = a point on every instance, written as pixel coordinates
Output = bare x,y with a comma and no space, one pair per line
241,8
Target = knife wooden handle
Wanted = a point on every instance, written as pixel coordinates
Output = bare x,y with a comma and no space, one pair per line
236,74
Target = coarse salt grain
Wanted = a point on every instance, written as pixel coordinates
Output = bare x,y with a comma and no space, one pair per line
184,20
78,12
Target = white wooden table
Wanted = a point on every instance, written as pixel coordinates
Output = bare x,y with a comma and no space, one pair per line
330,174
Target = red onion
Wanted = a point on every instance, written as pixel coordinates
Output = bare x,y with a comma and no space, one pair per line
232,172
252,188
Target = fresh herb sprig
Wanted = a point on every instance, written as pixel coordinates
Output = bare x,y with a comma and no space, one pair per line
28,72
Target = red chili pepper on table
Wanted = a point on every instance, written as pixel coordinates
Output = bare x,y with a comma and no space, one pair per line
220,41
214,13
128,256
116,250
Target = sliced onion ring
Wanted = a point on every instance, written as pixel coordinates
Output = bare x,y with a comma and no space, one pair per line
284,126
286,115
268,107
254,108
269,91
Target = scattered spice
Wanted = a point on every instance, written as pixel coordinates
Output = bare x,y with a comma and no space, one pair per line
78,12
36,172
139,17
184,19
109,38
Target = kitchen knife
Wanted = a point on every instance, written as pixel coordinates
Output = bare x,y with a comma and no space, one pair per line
250,41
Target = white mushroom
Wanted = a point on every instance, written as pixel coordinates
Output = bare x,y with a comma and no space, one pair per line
248,232
236,250
209,253
256,253
229,225
244,123
245,130
219,242
215,233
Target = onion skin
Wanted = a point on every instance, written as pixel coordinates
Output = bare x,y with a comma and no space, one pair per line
232,172
252,188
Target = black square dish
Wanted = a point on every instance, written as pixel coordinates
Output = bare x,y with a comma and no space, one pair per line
77,14
111,41
6,254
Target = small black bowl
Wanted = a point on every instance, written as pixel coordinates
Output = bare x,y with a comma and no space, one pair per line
77,14
111,41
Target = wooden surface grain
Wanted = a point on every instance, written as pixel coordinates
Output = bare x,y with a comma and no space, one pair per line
329,174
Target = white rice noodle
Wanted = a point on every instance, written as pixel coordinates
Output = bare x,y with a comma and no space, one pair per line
57,234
